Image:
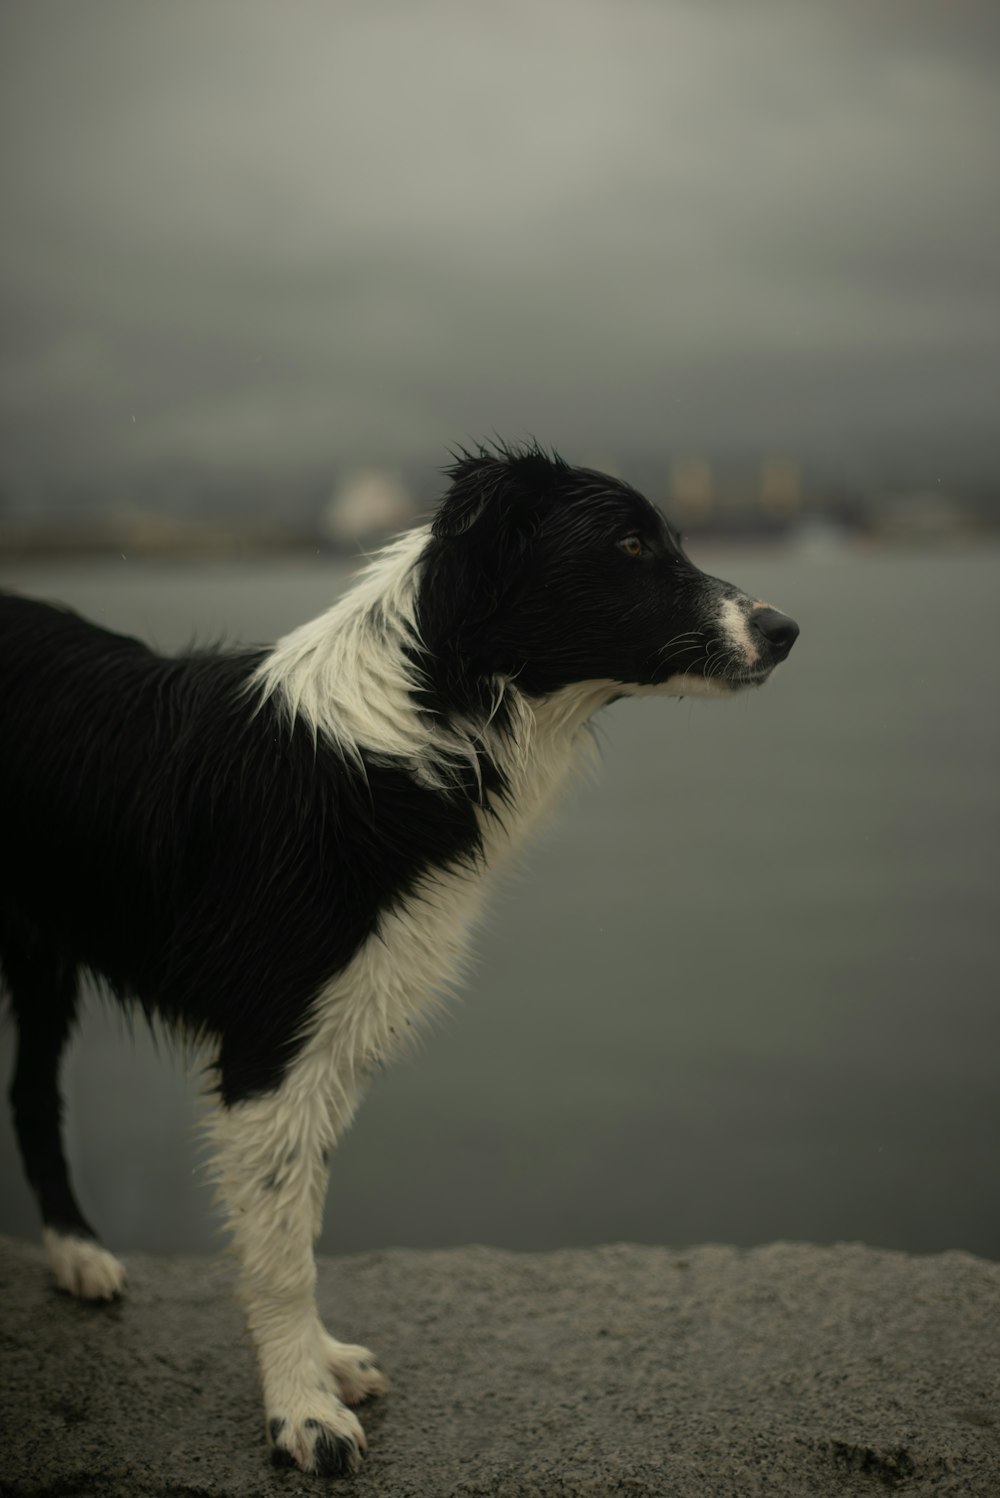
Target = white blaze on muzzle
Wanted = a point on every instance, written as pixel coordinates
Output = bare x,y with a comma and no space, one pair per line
734,624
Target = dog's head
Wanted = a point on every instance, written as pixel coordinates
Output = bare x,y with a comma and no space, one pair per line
554,575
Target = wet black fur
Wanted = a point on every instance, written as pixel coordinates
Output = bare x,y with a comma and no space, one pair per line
191,848
531,583
207,859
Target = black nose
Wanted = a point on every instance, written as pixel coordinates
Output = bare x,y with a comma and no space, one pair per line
778,630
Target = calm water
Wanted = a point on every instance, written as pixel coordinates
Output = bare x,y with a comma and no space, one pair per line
745,988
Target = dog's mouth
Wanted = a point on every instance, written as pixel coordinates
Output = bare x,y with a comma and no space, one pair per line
741,679
723,683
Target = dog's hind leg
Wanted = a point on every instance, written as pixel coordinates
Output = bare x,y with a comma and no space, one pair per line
269,1158
43,993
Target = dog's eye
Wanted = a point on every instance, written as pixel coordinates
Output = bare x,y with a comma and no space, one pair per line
632,546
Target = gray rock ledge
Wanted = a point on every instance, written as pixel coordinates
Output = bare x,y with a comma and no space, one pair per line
783,1370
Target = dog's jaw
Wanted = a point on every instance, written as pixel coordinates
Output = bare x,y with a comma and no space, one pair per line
687,684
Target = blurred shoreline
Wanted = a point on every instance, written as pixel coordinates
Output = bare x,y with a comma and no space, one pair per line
154,535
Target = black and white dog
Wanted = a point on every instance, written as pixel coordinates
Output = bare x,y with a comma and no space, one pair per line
281,851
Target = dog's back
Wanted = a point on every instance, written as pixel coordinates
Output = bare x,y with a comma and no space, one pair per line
71,694
84,715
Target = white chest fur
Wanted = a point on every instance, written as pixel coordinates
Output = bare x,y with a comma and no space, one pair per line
402,972
355,685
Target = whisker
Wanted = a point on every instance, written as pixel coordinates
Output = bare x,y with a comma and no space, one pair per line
688,634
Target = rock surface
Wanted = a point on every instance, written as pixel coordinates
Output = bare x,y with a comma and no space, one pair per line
783,1370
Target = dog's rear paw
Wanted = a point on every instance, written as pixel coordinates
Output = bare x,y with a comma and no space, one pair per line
357,1374
83,1267
326,1440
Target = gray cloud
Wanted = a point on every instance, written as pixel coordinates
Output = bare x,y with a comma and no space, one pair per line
242,236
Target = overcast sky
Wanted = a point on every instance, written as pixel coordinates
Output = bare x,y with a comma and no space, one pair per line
277,236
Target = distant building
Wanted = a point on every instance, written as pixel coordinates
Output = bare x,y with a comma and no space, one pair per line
780,491
691,492
365,507
921,515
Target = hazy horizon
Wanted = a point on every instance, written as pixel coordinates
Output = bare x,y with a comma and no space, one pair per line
243,239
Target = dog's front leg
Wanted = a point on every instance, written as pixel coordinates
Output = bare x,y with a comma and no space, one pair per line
270,1162
354,1369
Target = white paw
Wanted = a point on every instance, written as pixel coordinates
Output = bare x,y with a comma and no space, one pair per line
321,1436
355,1369
83,1267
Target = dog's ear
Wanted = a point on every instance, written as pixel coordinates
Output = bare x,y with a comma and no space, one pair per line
484,526
501,488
